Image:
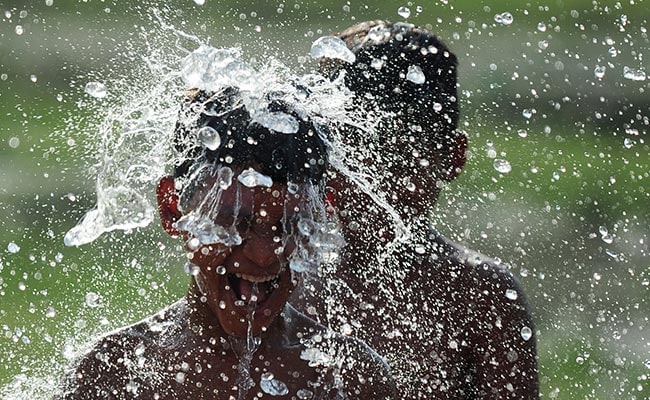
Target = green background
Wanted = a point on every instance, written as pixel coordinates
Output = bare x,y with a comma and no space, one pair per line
582,167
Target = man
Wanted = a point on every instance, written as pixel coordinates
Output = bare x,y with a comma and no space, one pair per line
452,324
240,198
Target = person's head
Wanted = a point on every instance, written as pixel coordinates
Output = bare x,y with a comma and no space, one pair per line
246,196
405,78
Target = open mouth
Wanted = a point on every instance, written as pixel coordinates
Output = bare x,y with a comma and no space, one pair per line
253,289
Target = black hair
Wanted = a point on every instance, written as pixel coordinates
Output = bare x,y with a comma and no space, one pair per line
384,53
285,157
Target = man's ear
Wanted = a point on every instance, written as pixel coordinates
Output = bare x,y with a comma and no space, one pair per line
168,205
457,156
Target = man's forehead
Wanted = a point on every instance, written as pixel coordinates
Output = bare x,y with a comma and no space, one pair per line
242,199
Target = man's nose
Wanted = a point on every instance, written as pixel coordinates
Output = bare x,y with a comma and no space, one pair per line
260,250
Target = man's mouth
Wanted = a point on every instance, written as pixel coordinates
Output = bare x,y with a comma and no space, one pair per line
253,289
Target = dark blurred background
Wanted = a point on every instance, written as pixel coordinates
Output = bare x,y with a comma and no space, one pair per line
560,93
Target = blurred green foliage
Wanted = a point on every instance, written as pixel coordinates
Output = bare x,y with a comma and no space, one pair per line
581,167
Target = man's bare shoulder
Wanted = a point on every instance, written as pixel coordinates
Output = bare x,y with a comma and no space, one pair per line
489,277
115,365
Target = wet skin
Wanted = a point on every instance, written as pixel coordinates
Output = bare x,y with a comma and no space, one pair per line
194,348
447,320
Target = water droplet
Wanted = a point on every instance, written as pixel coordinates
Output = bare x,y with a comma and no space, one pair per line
490,151
332,47
599,71
415,75
49,2
580,360
272,386
221,270
200,2
180,376
511,294
602,230
628,143
251,178
50,312
542,44
404,12
504,18
411,187
304,394
502,166
541,27
377,63
96,89
139,349
193,244
609,239
526,333
633,74
33,78
19,30
13,248
527,113
92,300
209,138
420,249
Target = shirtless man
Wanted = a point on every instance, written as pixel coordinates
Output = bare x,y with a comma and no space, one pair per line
452,324
241,206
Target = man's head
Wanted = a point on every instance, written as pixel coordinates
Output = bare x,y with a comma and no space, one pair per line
405,77
246,185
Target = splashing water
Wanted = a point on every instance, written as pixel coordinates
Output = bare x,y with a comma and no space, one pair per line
251,178
504,18
415,75
272,386
96,89
134,138
244,380
332,47
209,138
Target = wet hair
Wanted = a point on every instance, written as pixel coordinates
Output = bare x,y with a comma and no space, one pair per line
285,157
384,53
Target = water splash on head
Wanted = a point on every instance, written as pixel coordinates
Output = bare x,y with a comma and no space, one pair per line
135,123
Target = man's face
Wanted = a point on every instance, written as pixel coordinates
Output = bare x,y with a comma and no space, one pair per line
236,234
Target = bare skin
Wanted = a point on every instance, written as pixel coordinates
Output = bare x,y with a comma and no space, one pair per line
207,346
452,324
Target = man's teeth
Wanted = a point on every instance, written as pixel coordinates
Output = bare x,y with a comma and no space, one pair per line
256,279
